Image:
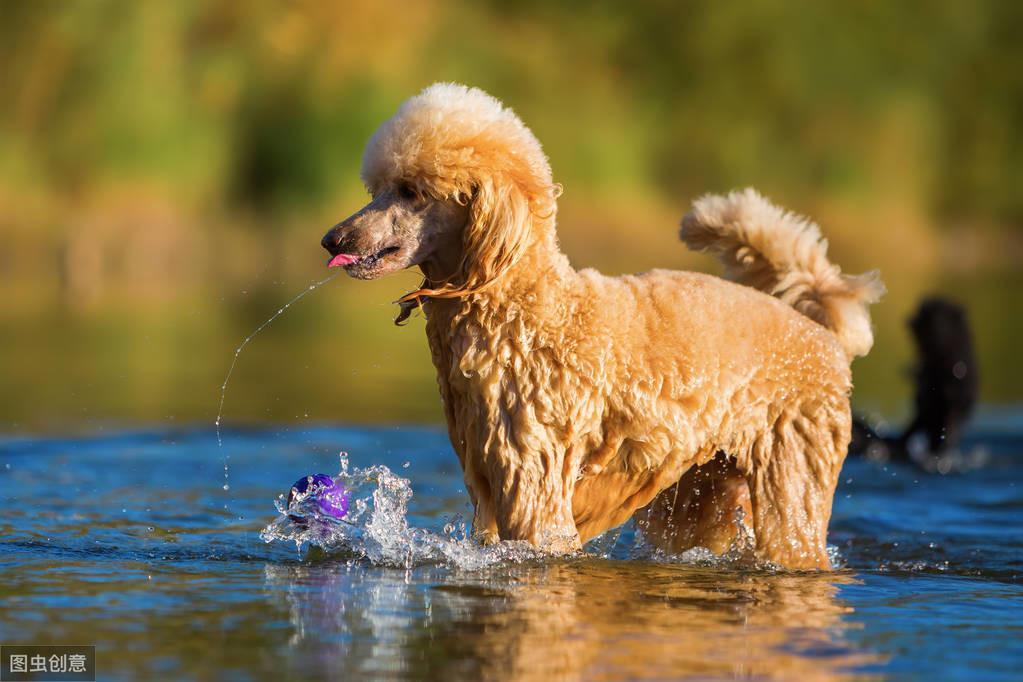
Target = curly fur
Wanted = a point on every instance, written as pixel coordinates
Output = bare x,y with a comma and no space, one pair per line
770,249
575,401
453,142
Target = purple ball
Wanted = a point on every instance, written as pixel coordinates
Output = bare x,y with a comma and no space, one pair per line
331,498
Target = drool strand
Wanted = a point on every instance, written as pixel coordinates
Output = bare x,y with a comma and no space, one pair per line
237,352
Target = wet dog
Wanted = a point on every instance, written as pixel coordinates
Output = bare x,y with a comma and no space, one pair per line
575,400
946,386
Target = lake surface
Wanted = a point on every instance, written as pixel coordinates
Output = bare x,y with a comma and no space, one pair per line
127,540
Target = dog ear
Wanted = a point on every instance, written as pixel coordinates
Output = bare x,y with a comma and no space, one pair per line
497,232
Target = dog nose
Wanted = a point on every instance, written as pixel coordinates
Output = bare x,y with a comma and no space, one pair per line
331,240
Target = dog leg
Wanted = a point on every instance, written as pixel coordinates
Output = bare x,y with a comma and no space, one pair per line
532,506
792,490
484,524
704,509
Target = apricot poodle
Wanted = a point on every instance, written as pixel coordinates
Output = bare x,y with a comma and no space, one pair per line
703,407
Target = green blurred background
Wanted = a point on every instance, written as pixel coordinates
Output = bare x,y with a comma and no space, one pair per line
167,171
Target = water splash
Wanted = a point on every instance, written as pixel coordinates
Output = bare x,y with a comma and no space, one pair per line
238,351
376,527
740,554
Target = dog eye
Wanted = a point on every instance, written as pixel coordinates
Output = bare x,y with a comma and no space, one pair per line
407,191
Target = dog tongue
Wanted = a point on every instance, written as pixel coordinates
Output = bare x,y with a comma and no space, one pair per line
342,259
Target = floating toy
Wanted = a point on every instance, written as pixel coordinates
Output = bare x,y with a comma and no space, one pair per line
329,496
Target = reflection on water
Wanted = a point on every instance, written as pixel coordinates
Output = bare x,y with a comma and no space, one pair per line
588,619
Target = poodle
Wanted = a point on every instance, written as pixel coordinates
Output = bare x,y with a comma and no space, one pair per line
712,411
946,381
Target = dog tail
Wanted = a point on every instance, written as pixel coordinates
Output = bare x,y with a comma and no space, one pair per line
784,254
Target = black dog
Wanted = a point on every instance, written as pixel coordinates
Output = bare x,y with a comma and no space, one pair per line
946,388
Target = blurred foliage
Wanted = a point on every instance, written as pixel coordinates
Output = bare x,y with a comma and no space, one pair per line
167,170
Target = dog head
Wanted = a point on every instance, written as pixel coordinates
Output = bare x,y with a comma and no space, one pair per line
399,228
942,332
459,187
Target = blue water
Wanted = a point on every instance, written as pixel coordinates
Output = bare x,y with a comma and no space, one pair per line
125,539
